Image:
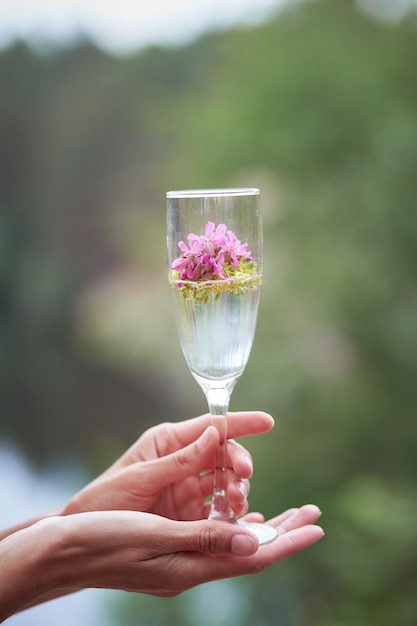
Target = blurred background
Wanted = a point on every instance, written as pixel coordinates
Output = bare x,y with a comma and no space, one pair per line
315,102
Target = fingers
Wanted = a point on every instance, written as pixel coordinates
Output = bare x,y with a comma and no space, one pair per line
247,423
187,461
192,502
239,424
290,519
240,560
198,456
238,490
296,518
216,537
239,459
289,543
164,439
282,547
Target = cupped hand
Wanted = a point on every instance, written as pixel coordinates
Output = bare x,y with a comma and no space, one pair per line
139,552
149,554
168,470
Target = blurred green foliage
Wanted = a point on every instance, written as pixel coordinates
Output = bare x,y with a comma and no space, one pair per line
318,109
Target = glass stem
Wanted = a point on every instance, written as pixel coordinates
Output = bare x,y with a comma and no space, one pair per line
218,401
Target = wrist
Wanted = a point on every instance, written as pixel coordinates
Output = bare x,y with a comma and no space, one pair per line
35,566
29,522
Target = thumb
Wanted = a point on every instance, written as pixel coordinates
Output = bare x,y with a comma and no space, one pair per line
187,461
216,537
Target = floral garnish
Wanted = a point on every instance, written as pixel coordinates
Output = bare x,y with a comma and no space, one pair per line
218,255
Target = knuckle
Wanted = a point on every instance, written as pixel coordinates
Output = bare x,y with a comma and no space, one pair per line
208,540
181,458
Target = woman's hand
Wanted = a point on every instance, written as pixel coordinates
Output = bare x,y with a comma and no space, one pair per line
154,555
138,552
169,470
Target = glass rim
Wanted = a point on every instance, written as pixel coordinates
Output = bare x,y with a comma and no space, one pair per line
212,193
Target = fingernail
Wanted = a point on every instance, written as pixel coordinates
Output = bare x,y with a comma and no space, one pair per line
244,545
312,506
204,439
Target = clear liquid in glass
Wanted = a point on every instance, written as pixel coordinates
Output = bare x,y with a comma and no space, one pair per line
216,335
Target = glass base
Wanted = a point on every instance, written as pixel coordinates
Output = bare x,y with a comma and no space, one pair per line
263,532
221,511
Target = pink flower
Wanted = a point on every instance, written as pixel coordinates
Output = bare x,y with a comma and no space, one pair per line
208,255
214,237
234,250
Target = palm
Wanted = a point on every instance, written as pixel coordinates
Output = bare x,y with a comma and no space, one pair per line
182,501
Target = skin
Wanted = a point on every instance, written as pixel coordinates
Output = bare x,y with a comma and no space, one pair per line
140,525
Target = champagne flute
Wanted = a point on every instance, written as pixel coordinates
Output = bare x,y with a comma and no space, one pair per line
214,242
